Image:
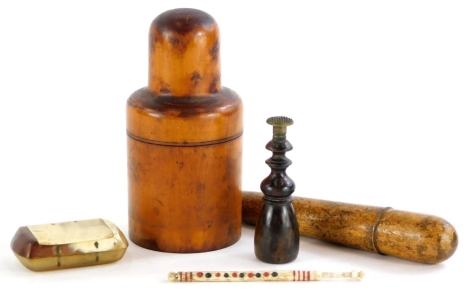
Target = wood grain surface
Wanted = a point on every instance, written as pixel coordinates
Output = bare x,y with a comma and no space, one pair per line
412,236
184,142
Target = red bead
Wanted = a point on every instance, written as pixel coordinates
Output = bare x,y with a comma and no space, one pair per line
199,274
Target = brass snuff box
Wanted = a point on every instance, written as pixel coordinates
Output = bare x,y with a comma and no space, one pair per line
69,244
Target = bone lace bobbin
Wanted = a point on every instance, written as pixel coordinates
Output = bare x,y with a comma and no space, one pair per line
259,276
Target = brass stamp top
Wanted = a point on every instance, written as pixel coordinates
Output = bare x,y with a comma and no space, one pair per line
280,121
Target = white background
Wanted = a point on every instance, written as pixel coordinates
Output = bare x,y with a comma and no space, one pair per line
379,92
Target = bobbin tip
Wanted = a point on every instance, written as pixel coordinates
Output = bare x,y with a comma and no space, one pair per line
172,276
357,274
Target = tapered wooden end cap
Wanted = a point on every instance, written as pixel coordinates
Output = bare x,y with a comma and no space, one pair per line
184,54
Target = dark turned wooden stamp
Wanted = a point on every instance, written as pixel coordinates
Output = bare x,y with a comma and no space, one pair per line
277,230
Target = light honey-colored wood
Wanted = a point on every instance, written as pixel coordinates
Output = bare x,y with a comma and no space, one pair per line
412,236
184,142
184,54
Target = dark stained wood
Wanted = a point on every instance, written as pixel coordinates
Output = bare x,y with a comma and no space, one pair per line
277,231
184,142
412,236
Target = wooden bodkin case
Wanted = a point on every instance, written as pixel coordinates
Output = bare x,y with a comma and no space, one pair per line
412,236
184,142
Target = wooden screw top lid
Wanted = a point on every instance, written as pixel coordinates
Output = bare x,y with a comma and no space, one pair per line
184,54
184,103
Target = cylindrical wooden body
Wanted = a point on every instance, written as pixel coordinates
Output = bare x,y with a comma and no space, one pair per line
411,236
184,142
